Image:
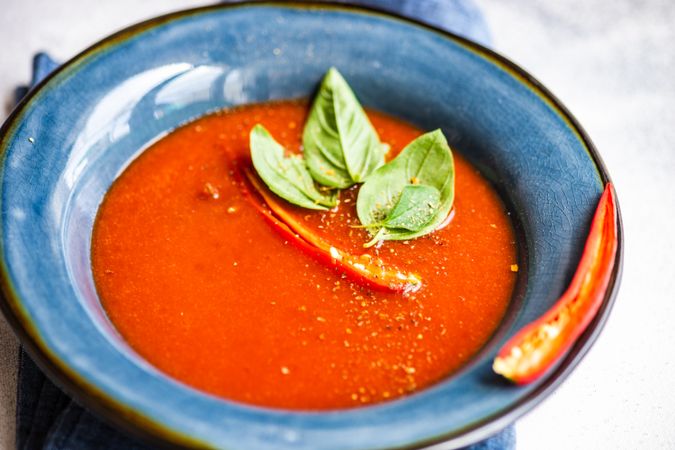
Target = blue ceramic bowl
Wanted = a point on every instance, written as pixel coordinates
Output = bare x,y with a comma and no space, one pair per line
65,144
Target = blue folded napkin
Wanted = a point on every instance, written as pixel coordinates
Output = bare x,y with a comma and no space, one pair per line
47,418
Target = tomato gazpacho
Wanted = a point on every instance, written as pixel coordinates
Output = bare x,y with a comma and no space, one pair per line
270,254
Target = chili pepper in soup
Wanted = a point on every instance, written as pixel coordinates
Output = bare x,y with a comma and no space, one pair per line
203,287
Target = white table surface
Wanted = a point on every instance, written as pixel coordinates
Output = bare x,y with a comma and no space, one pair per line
613,64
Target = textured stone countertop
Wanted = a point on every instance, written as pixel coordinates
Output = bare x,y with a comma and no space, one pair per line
613,65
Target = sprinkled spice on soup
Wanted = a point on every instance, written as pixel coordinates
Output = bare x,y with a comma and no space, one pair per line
205,276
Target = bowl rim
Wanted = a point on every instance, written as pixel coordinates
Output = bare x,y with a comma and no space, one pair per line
148,430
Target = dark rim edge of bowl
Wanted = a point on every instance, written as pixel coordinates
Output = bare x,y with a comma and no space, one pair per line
149,430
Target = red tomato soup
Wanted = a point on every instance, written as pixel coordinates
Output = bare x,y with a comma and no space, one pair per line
200,285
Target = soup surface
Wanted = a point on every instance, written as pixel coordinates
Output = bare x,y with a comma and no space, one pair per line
200,285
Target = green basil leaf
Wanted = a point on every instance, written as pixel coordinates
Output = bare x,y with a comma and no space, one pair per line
341,146
425,161
415,208
286,176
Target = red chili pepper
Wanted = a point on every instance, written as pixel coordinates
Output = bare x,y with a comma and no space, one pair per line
364,268
541,344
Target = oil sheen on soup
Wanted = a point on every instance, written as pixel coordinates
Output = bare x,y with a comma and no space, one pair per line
199,284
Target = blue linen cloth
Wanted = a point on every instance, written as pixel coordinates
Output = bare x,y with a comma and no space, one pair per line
47,418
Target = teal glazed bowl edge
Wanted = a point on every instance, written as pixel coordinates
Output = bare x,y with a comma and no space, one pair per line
67,141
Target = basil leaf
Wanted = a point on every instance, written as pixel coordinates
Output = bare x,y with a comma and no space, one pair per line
415,208
286,176
341,146
425,161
